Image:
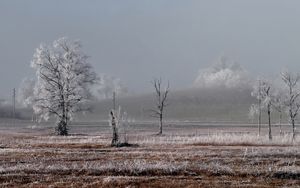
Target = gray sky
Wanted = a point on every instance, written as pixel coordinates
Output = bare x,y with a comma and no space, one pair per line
137,40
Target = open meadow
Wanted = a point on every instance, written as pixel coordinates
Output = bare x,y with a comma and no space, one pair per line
155,94
188,154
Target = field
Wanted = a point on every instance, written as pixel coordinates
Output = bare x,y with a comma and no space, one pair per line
189,154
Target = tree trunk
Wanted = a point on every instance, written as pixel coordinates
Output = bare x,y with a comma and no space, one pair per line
62,129
160,124
269,116
293,124
115,138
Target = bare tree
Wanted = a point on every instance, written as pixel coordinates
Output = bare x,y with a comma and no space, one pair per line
161,101
62,86
119,122
114,126
267,102
263,91
292,101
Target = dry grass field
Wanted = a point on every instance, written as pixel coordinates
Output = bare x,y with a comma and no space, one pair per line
185,156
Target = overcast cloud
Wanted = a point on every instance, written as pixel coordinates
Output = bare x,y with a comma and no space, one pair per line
138,40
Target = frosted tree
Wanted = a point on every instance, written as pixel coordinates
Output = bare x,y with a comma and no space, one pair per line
161,101
63,80
224,73
257,108
267,97
263,91
292,101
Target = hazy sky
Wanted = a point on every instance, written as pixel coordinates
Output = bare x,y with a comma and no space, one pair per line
137,40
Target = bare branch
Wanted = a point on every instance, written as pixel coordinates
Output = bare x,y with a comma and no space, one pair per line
161,98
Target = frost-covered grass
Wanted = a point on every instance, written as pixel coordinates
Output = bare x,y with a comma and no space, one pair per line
232,159
143,167
69,140
176,139
125,167
220,139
